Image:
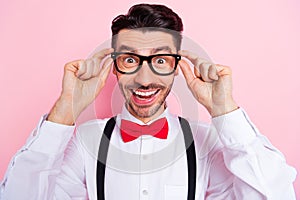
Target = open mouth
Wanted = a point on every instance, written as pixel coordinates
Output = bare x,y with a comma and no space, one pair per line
144,97
145,94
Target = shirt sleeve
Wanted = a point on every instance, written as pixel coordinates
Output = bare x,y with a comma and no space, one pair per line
47,166
247,165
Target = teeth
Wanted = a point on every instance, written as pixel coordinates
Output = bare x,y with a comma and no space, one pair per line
145,94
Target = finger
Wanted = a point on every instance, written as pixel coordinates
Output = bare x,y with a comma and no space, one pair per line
223,70
194,58
88,70
105,69
213,73
81,68
204,68
103,53
201,66
72,66
96,69
187,72
197,71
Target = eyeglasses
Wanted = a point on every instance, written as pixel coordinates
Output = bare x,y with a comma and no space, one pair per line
160,64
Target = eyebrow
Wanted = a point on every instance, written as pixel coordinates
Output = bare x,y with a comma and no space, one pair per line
154,50
126,48
163,48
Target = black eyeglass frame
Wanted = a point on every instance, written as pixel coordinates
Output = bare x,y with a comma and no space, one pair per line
148,59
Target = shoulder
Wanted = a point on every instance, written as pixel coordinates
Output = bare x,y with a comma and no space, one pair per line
206,138
92,126
89,134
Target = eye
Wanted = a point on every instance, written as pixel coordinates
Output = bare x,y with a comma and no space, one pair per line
129,60
160,61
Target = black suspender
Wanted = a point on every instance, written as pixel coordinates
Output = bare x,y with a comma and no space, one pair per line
102,155
190,153
191,157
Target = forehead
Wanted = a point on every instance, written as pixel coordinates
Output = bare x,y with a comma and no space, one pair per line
137,39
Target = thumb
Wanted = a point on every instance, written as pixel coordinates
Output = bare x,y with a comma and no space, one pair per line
187,72
104,73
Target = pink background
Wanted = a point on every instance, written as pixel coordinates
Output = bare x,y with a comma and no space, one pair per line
258,39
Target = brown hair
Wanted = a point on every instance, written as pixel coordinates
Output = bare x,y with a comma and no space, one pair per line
152,17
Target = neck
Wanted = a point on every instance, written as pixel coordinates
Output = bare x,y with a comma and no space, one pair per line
147,119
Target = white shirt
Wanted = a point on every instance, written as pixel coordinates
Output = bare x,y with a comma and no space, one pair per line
234,161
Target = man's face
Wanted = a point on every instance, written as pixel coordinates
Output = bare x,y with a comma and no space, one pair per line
144,91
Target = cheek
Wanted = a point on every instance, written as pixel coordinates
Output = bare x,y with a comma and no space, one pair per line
124,80
168,81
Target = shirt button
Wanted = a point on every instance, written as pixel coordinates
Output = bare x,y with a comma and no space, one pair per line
145,192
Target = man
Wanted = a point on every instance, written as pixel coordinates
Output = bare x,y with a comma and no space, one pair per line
111,159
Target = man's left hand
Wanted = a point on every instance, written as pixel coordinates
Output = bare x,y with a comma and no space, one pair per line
211,84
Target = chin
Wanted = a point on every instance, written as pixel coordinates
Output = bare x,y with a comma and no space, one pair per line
145,111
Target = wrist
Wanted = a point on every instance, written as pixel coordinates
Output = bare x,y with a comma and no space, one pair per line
218,110
62,112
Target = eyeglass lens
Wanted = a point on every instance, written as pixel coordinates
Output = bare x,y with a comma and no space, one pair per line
160,63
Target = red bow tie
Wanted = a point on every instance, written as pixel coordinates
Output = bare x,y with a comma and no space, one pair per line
130,130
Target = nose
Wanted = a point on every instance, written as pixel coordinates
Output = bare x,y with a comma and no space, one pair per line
145,76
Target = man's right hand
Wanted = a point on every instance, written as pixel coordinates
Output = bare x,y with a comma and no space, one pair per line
82,82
